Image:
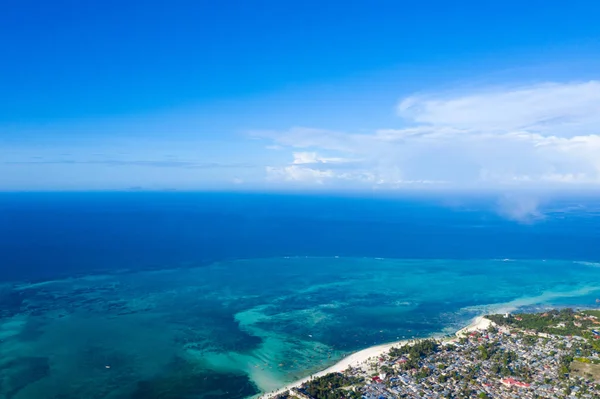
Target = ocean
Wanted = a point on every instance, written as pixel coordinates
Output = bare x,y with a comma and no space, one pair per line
221,295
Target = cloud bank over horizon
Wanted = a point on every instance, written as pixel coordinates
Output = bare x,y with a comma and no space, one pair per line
538,137
541,135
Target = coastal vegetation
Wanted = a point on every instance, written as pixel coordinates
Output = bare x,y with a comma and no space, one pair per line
414,353
585,369
553,354
566,322
332,386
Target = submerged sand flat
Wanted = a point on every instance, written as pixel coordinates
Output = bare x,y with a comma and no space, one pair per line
236,329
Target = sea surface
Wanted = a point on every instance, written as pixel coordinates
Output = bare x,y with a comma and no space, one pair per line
181,295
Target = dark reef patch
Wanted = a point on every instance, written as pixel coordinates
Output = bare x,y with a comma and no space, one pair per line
21,372
224,334
12,301
32,330
182,380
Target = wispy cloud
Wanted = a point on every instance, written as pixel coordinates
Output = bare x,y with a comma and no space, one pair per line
552,108
302,158
540,135
520,207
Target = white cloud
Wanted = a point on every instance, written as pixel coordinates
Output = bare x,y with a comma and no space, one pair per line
553,108
520,208
297,173
301,137
312,157
548,134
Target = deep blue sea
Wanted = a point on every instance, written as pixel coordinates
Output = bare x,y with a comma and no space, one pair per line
213,295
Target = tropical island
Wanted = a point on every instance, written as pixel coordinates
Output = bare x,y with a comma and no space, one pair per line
554,354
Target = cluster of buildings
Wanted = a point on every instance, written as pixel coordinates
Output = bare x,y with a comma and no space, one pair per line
459,370
505,363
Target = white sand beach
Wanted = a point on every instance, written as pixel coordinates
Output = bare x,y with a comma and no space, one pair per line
478,324
362,357
353,360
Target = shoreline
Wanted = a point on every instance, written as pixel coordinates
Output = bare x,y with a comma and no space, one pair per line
357,358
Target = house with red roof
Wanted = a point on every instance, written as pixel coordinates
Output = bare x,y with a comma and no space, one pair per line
511,382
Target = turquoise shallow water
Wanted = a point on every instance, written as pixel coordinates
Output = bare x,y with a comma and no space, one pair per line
233,329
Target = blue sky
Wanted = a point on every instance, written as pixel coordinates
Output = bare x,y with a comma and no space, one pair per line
274,95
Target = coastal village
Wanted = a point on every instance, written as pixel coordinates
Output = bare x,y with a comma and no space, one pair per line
553,355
